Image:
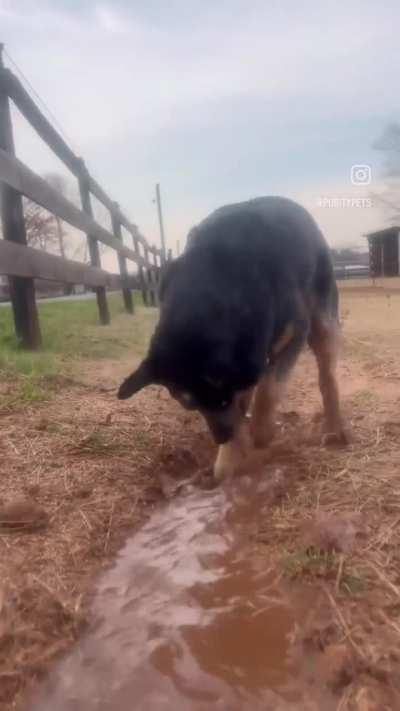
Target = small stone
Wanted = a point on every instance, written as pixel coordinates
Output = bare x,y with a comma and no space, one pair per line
83,492
43,424
23,514
170,486
32,489
337,666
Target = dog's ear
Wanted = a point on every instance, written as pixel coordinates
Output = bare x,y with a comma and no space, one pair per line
136,381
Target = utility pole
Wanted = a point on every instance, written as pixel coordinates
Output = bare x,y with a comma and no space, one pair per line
160,219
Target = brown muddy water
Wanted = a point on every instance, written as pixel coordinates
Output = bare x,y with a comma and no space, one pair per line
190,618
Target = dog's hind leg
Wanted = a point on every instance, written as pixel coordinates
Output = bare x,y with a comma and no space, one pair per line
271,386
266,399
323,340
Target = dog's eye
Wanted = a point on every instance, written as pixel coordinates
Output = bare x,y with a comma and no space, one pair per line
187,399
224,404
214,382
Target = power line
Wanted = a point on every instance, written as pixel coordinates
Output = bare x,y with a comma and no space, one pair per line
46,108
41,101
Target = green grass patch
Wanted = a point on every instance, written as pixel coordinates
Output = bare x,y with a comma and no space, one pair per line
364,398
310,562
70,332
353,583
102,441
316,563
97,443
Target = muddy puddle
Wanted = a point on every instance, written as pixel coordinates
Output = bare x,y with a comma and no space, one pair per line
190,618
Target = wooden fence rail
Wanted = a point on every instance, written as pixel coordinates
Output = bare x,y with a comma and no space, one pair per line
23,264
27,183
22,261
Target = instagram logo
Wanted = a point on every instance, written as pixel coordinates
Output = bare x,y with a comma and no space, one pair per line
360,174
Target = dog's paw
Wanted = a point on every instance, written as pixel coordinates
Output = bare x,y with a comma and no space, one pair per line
228,461
224,469
340,437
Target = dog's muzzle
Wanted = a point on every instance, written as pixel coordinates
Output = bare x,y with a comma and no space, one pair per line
221,425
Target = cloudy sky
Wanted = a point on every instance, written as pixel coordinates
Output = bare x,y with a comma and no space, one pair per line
218,101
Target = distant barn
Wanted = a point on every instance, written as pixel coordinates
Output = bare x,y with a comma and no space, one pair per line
384,252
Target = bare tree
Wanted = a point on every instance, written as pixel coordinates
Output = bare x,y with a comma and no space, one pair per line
389,146
40,227
43,229
47,232
59,183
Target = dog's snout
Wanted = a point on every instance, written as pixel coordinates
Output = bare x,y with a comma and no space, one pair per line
221,430
222,434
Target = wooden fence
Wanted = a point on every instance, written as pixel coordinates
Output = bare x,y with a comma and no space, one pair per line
21,263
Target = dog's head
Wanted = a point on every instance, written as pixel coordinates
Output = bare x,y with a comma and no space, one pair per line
200,378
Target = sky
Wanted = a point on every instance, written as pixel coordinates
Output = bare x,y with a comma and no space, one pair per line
217,101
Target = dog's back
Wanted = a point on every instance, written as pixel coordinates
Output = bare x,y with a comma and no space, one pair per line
272,235
265,249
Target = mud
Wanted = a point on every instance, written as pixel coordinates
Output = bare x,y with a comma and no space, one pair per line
191,618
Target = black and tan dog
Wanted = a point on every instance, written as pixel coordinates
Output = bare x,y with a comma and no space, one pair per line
254,285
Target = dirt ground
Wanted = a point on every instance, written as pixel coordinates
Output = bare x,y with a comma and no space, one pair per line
82,471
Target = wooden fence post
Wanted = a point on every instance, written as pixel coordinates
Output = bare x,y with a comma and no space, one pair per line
157,274
143,286
142,278
101,295
22,289
123,270
149,272
161,223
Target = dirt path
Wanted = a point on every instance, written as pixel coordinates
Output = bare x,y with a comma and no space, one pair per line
90,468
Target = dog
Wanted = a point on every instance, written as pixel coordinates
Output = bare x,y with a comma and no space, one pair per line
254,285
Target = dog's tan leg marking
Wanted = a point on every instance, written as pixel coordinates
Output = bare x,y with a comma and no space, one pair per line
268,394
284,339
266,399
324,341
232,455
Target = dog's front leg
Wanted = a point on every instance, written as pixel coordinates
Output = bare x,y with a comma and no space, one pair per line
232,454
